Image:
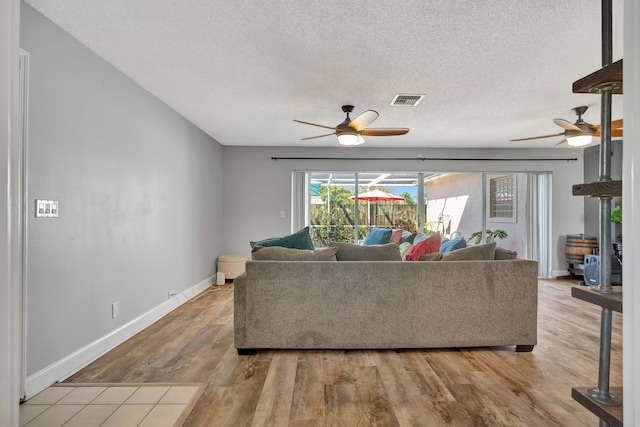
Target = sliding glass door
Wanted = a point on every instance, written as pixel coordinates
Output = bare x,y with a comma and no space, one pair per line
512,209
344,206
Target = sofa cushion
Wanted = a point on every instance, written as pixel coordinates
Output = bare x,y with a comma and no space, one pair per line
407,236
349,252
301,239
480,252
430,245
503,253
452,245
378,236
435,256
278,253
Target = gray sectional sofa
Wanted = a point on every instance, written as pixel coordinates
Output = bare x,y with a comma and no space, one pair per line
385,304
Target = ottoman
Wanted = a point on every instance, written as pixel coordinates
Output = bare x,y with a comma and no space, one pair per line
232,265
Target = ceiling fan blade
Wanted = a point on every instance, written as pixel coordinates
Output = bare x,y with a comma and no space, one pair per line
537,137
616,124
614,132
566,124
384,131
315,124
616,128
363,120
561,142
319,136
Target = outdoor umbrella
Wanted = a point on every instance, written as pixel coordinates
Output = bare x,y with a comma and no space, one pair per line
377,196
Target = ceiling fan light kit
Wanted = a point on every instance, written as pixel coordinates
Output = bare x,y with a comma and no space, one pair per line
350,132
579,140
350,138
580,133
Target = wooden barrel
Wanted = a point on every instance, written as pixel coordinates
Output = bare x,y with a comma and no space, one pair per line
579,245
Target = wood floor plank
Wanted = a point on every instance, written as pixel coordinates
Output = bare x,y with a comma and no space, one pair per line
430,387
308,407
277,395
408,403
429,383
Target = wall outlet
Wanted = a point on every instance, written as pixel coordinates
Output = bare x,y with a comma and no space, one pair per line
115,310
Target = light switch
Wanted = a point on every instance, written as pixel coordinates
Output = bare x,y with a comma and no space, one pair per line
282,214
46,208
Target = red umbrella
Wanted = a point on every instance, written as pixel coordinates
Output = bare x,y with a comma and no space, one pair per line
376,196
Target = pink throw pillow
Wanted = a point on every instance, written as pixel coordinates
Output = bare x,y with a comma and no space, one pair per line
428,246
396,235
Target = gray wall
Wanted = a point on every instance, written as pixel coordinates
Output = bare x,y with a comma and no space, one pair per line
591,174
257,188
139,188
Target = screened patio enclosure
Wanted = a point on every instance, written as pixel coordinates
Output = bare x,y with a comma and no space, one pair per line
469,203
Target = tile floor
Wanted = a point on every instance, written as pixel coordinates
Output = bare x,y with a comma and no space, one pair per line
107,405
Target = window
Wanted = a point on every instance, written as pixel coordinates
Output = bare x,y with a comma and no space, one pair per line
502,198
331,211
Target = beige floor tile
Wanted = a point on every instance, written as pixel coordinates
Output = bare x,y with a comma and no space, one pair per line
81,396
114,396
29,412
128,416
55,416
179,394
163,416
147,395
49,396
92,416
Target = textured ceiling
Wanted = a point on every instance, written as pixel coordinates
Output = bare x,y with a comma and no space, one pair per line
243,70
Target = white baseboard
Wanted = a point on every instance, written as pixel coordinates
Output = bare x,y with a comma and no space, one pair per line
72,363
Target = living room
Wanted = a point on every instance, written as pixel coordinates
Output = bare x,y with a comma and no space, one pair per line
148,201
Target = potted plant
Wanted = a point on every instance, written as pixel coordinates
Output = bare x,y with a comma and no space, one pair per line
616,218
491,236
616,215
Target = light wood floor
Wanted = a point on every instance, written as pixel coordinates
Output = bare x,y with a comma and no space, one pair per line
463,387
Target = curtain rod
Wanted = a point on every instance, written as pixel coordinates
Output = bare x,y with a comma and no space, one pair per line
573,159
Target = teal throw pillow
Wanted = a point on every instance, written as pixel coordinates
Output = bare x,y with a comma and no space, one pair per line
452,245
299,240
378,236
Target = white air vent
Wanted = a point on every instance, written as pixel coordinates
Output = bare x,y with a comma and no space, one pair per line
408,100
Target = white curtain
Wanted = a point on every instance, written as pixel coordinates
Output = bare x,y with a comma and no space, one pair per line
539,220
300,200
